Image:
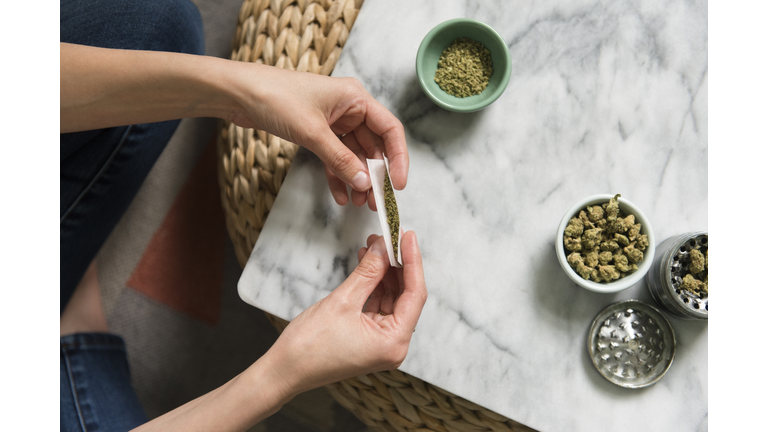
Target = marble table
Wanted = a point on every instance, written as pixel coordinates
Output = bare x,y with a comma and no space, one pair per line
605,97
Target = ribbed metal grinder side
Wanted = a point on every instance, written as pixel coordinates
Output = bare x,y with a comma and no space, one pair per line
665,278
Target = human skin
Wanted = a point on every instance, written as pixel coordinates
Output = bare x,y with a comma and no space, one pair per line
365,324
341,336
335,118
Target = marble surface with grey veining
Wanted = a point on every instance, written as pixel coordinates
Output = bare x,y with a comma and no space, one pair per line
604,97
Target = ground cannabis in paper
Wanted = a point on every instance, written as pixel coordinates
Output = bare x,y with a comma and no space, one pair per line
393,217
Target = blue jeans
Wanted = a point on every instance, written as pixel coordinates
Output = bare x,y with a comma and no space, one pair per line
102,170
95,391
100,173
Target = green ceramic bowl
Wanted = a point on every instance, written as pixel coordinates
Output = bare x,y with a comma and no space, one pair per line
438,40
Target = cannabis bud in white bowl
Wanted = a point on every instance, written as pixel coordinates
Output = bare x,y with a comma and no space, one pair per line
605,243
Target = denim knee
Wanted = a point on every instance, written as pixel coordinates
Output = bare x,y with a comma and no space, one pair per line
152,25
99,174
95,391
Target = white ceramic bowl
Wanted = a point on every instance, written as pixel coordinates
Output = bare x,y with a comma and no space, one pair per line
611,287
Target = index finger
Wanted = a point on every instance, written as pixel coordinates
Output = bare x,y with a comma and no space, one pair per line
388,127
411,302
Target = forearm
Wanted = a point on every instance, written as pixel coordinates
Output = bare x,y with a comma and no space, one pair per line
247,399
104,87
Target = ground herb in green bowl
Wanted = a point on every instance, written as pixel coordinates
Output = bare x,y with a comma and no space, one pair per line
464,68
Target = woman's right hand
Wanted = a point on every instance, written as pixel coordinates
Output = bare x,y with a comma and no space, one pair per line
335,118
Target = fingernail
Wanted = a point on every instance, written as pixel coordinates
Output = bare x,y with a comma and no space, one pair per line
378,247
361,181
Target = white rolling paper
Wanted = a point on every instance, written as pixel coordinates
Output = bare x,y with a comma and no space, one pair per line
379,169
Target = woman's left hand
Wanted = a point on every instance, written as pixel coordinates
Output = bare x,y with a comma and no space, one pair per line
365,325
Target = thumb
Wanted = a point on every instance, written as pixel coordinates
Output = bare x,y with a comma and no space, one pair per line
342,162
367,275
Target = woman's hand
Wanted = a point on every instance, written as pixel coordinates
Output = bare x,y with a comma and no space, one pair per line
335,118
341,336
107,87
365,325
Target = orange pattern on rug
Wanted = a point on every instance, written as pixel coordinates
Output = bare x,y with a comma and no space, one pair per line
183,265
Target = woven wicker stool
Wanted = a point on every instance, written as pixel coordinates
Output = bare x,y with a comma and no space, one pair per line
308,36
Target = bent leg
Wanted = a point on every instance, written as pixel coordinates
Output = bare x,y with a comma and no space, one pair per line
102,170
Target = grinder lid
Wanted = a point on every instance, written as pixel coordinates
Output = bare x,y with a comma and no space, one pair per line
631,344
